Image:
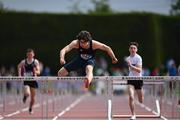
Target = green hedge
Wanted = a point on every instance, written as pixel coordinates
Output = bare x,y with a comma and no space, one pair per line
48,33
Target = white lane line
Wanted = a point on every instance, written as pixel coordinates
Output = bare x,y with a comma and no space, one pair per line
14,113
20,111
164,118
149,109
69,107
24,109
1,117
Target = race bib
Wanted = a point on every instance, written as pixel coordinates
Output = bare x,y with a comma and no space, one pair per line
86,56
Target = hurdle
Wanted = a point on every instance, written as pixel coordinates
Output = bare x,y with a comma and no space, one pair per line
148,80
111,80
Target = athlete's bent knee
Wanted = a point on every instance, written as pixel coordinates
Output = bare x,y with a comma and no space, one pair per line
131,98
62,72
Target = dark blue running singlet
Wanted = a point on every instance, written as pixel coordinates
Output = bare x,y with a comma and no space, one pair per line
29,71
84,58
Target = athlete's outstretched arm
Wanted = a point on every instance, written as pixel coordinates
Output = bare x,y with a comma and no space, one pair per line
101,46
66,49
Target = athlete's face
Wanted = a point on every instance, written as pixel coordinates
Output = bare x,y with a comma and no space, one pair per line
84,43
132,49
30,55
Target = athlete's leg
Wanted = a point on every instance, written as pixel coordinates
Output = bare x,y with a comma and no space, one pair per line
26,92
140,94
131,99
32,101
62,72
89,75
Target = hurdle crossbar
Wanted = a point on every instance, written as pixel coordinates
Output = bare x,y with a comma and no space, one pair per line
114,78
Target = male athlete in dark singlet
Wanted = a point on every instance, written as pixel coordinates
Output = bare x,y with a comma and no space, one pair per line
86,56
29,67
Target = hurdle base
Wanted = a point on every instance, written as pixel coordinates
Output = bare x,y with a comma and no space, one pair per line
137,116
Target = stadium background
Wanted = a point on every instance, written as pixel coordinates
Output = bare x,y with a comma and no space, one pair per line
157,35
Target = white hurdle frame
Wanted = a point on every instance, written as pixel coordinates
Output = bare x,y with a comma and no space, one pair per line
117,80
120,80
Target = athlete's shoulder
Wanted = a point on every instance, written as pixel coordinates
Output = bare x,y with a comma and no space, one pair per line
97,44
23,61
127,58
75,41
95,41
36,60
138,56
74,44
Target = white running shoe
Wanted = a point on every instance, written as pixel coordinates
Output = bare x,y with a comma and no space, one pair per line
133,117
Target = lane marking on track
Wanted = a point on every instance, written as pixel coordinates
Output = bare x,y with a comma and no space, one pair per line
0,117
72,105
14,113
27,108
23,109
150,110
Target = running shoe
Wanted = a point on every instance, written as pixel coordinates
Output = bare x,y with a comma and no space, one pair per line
30,111
133,117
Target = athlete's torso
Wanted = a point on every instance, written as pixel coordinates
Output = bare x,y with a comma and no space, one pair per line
29,67
86,54
135,60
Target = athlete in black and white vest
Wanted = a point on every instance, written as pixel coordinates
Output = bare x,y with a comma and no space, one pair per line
29,67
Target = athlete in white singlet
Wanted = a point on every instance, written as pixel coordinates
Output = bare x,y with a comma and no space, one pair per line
134,62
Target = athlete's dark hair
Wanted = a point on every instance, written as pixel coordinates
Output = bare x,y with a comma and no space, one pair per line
84,35
134,43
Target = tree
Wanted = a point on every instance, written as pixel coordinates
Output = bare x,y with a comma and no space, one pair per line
1,6
76,8
101,7
175,7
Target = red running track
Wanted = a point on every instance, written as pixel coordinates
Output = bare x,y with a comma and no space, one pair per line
71,107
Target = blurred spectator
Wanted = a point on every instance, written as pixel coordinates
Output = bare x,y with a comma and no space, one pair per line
3,71
145,71
169,63
155,72
101,63
116,71
172,70
46,71
101,67
179,70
